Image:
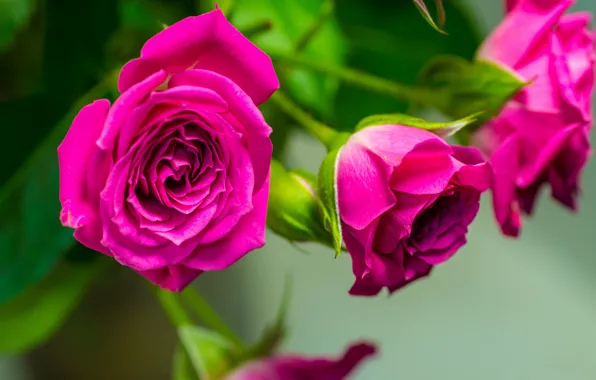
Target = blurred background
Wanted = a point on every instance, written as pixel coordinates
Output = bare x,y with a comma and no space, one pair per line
500,310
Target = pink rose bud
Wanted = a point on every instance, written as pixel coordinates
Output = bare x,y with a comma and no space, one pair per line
289,367
172,179
405,200
541,136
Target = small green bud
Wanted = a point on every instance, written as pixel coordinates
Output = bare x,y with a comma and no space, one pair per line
294,211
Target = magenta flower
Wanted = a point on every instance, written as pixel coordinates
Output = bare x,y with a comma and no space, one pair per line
290,367
172,179
541,137
405,200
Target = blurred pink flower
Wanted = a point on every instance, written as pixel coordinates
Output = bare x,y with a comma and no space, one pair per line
541,137
292,367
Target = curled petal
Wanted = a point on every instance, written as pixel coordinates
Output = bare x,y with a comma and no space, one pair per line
174,277
208,42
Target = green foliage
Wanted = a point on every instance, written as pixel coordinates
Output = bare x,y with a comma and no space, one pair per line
14,14
465,87
391,40
33,316
182,367
291,20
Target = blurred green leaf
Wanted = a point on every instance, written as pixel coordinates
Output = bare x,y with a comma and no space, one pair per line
14,14
32,239
75,45
182,367
291,19
32,317
210,354
464,87
391,40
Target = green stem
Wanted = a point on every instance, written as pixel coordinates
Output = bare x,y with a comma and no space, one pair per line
171,305
357,78
320,131
253,30
311,32
209,316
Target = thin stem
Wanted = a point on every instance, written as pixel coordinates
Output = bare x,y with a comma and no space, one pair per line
311,32
253,30
172,307
320,131
209,316
358,78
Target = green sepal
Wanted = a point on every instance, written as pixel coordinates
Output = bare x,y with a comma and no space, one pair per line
327,191
442,129
294,211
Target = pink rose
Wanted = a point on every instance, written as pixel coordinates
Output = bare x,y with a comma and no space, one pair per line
172,179
542,134
289,367
405,200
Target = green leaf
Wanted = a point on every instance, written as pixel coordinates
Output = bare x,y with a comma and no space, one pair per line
421,5
291,19
32,239
211,355
442,129
31,318
389,39
465,87
182,367
327,191
14,14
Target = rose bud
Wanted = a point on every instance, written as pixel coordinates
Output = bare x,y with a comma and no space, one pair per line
172,179
541,136
293,206
405,199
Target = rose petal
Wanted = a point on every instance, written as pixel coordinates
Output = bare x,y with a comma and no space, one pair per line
174,278
74,157
209,42
362,175
243,115
528,24
248,235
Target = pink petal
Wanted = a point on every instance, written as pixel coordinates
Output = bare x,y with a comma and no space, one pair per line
174,278
74,157
505,163
362,185
243,115
248,235
528,24
209,42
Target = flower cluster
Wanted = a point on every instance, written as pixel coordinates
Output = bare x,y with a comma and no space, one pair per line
173,178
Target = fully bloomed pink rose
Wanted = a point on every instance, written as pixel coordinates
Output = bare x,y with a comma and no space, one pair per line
405,200
291,367
541,137
172,179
